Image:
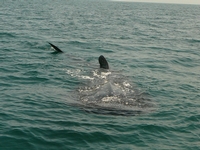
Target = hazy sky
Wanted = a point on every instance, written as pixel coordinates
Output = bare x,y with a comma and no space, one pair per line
165,1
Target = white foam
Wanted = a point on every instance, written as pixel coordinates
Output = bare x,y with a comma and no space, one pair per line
102,75
76,73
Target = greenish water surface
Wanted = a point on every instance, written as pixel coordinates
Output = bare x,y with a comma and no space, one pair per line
153,47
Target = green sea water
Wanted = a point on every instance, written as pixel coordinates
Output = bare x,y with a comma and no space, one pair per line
153,47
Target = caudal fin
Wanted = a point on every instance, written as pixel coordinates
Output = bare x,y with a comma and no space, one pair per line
56,48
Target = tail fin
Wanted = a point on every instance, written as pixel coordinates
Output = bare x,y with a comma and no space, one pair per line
103,62
56,48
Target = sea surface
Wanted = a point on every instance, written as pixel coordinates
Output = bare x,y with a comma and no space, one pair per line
153,49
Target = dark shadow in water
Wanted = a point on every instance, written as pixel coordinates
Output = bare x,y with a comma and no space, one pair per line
55,53
110,111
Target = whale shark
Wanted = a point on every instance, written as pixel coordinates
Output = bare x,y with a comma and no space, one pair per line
105,91
109,92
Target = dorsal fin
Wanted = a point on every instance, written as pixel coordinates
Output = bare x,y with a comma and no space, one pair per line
56,48
103,62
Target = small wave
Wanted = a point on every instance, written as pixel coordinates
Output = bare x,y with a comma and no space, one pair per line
7,35
104,50
77,43
194,40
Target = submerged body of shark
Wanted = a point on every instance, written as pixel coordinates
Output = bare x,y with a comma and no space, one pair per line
109,92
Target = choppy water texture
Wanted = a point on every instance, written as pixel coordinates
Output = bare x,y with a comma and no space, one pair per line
46,98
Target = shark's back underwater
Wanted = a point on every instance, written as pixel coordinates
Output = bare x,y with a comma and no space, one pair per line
111,93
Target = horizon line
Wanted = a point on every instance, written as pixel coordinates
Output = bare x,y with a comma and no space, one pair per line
132,1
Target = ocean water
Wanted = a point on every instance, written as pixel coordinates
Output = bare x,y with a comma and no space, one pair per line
155,48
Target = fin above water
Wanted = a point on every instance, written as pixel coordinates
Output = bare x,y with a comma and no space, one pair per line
103,62
56,48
